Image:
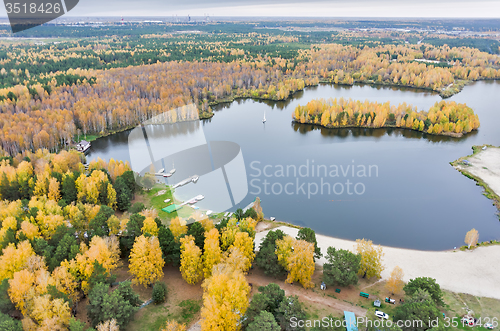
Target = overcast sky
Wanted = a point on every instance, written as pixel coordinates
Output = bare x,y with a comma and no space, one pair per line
332,8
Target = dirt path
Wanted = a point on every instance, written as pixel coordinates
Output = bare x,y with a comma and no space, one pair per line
257,279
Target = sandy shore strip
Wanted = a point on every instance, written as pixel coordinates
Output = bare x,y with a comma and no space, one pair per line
484,165
474,272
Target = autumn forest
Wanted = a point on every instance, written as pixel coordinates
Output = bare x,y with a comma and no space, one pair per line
68,227
47,108
447,118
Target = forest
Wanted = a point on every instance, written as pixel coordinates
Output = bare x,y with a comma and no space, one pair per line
443,118
50,115
61,239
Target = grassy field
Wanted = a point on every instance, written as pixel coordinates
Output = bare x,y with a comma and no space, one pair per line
458,304
155,198
154,317
182,305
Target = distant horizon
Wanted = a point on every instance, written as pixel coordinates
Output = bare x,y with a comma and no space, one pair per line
377,18
342,9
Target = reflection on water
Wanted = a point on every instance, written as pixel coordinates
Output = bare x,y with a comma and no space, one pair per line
417,200
375,133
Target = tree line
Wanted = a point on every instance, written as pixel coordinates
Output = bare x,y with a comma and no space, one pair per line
115,99
443,118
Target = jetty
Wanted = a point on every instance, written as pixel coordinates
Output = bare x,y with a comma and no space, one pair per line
250,205
193,200
193,179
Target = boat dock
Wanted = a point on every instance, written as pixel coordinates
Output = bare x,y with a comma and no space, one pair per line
186,181
193,200
249,206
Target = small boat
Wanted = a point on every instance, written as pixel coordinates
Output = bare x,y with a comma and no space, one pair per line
167,175
209,212
272,219
161,170
195,179
264,120
199,197
173,170
167,200
83,146
484,148
195,208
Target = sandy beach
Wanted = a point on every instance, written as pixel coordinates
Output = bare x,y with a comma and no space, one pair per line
485,165
474,272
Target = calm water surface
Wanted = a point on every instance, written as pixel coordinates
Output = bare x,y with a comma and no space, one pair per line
412,198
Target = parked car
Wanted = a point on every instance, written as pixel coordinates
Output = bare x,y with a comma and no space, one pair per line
489,326
381,314
389,300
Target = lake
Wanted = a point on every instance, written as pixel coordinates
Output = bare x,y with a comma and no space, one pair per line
395,187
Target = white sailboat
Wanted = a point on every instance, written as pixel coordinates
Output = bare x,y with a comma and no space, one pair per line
173,169
264,120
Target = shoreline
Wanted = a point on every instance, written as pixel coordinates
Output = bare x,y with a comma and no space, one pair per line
470,271
466,166
231,99
389,126
298,227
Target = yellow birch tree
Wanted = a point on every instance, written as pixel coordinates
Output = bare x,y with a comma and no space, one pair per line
244,243
371,258
178,227
471,238
212,254
225,299
191,261
146,261
395,282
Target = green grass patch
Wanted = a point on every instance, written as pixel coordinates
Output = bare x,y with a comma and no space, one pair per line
89,137
152,318
157,201
189,308
456,305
